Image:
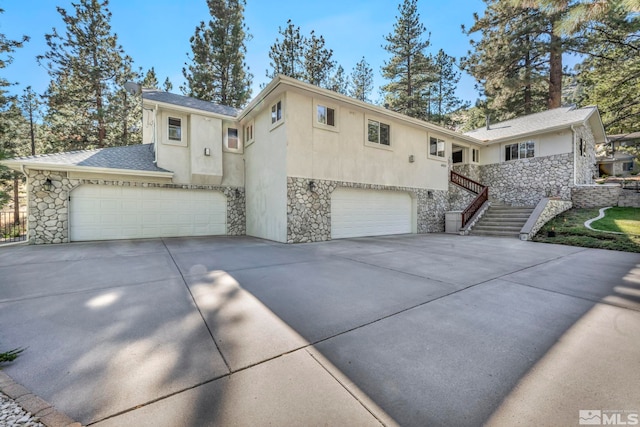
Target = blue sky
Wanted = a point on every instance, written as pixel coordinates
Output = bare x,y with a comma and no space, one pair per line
156,33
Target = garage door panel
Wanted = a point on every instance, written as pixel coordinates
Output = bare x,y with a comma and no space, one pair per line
356,213
106,213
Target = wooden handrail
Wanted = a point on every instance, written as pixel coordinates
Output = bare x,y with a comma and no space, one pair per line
481,192
466,183
474,206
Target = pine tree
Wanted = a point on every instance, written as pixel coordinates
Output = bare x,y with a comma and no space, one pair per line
150,80
167,86
317,61
30,105
288,56
442,98
409,70
338,82
361,81
217,71
87,66
610,74
510,62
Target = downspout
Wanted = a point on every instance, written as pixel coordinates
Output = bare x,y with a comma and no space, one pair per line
23,169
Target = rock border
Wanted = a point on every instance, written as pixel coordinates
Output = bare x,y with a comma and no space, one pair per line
41,410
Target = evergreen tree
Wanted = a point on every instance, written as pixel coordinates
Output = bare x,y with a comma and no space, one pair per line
150,80
338,82
317,61
442,98
30,105
610,75
288,56
218,72
409,70
361,82
167,86
511,60
87,67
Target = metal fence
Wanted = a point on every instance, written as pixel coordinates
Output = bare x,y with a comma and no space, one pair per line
12,228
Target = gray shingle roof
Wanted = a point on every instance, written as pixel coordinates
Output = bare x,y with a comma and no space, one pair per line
133,157
185,101
557,117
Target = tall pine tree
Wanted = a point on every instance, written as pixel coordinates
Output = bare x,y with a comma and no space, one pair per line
87,67
409,70
442,97
361,81
288,56
317,61
150,79
218,72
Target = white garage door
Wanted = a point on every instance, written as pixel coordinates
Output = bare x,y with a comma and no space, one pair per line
99,212
369,213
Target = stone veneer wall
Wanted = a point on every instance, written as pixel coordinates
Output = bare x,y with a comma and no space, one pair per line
525,182
546,210
586,166
309,212
459,198
49,210
595,196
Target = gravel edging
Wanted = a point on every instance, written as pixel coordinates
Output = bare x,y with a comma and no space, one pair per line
24,408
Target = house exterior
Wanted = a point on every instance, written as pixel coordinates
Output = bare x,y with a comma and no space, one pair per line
545,154
616,162
298,164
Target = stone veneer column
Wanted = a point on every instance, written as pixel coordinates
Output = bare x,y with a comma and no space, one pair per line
49,210
309,211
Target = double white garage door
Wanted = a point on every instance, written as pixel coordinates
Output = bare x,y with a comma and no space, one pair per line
356,213
100,212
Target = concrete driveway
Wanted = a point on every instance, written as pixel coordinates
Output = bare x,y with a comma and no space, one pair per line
410,330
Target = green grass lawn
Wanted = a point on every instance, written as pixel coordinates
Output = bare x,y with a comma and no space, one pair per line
620,220
570,230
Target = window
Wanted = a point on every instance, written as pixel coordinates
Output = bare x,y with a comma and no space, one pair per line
248,132
475,155
627,166
175,129
379,133
522,150
232,139
276,113
326,115
436,147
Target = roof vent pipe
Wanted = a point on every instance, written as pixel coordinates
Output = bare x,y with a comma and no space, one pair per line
488,122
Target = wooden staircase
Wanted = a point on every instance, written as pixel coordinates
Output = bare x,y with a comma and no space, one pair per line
502,220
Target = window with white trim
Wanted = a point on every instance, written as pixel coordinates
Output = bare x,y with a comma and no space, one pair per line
175,129
378,132
326,115
437,147
233,142
248,133
521,150
475,155
276,113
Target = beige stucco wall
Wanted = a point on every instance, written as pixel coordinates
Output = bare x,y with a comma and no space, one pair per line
266,178
549,144
186,158
314,152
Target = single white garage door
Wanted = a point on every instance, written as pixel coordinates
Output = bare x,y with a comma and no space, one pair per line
100,212
357,213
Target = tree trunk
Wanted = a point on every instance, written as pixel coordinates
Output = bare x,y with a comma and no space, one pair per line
527,88
555,70
32,132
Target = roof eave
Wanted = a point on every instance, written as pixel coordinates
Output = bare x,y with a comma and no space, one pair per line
152,102
531,133
20,166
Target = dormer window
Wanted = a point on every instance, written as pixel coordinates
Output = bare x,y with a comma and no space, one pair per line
175,129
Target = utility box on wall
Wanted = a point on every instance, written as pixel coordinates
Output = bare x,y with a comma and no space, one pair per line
452,222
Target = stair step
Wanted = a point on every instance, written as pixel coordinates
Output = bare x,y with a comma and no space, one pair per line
475,232
501,223
496,228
